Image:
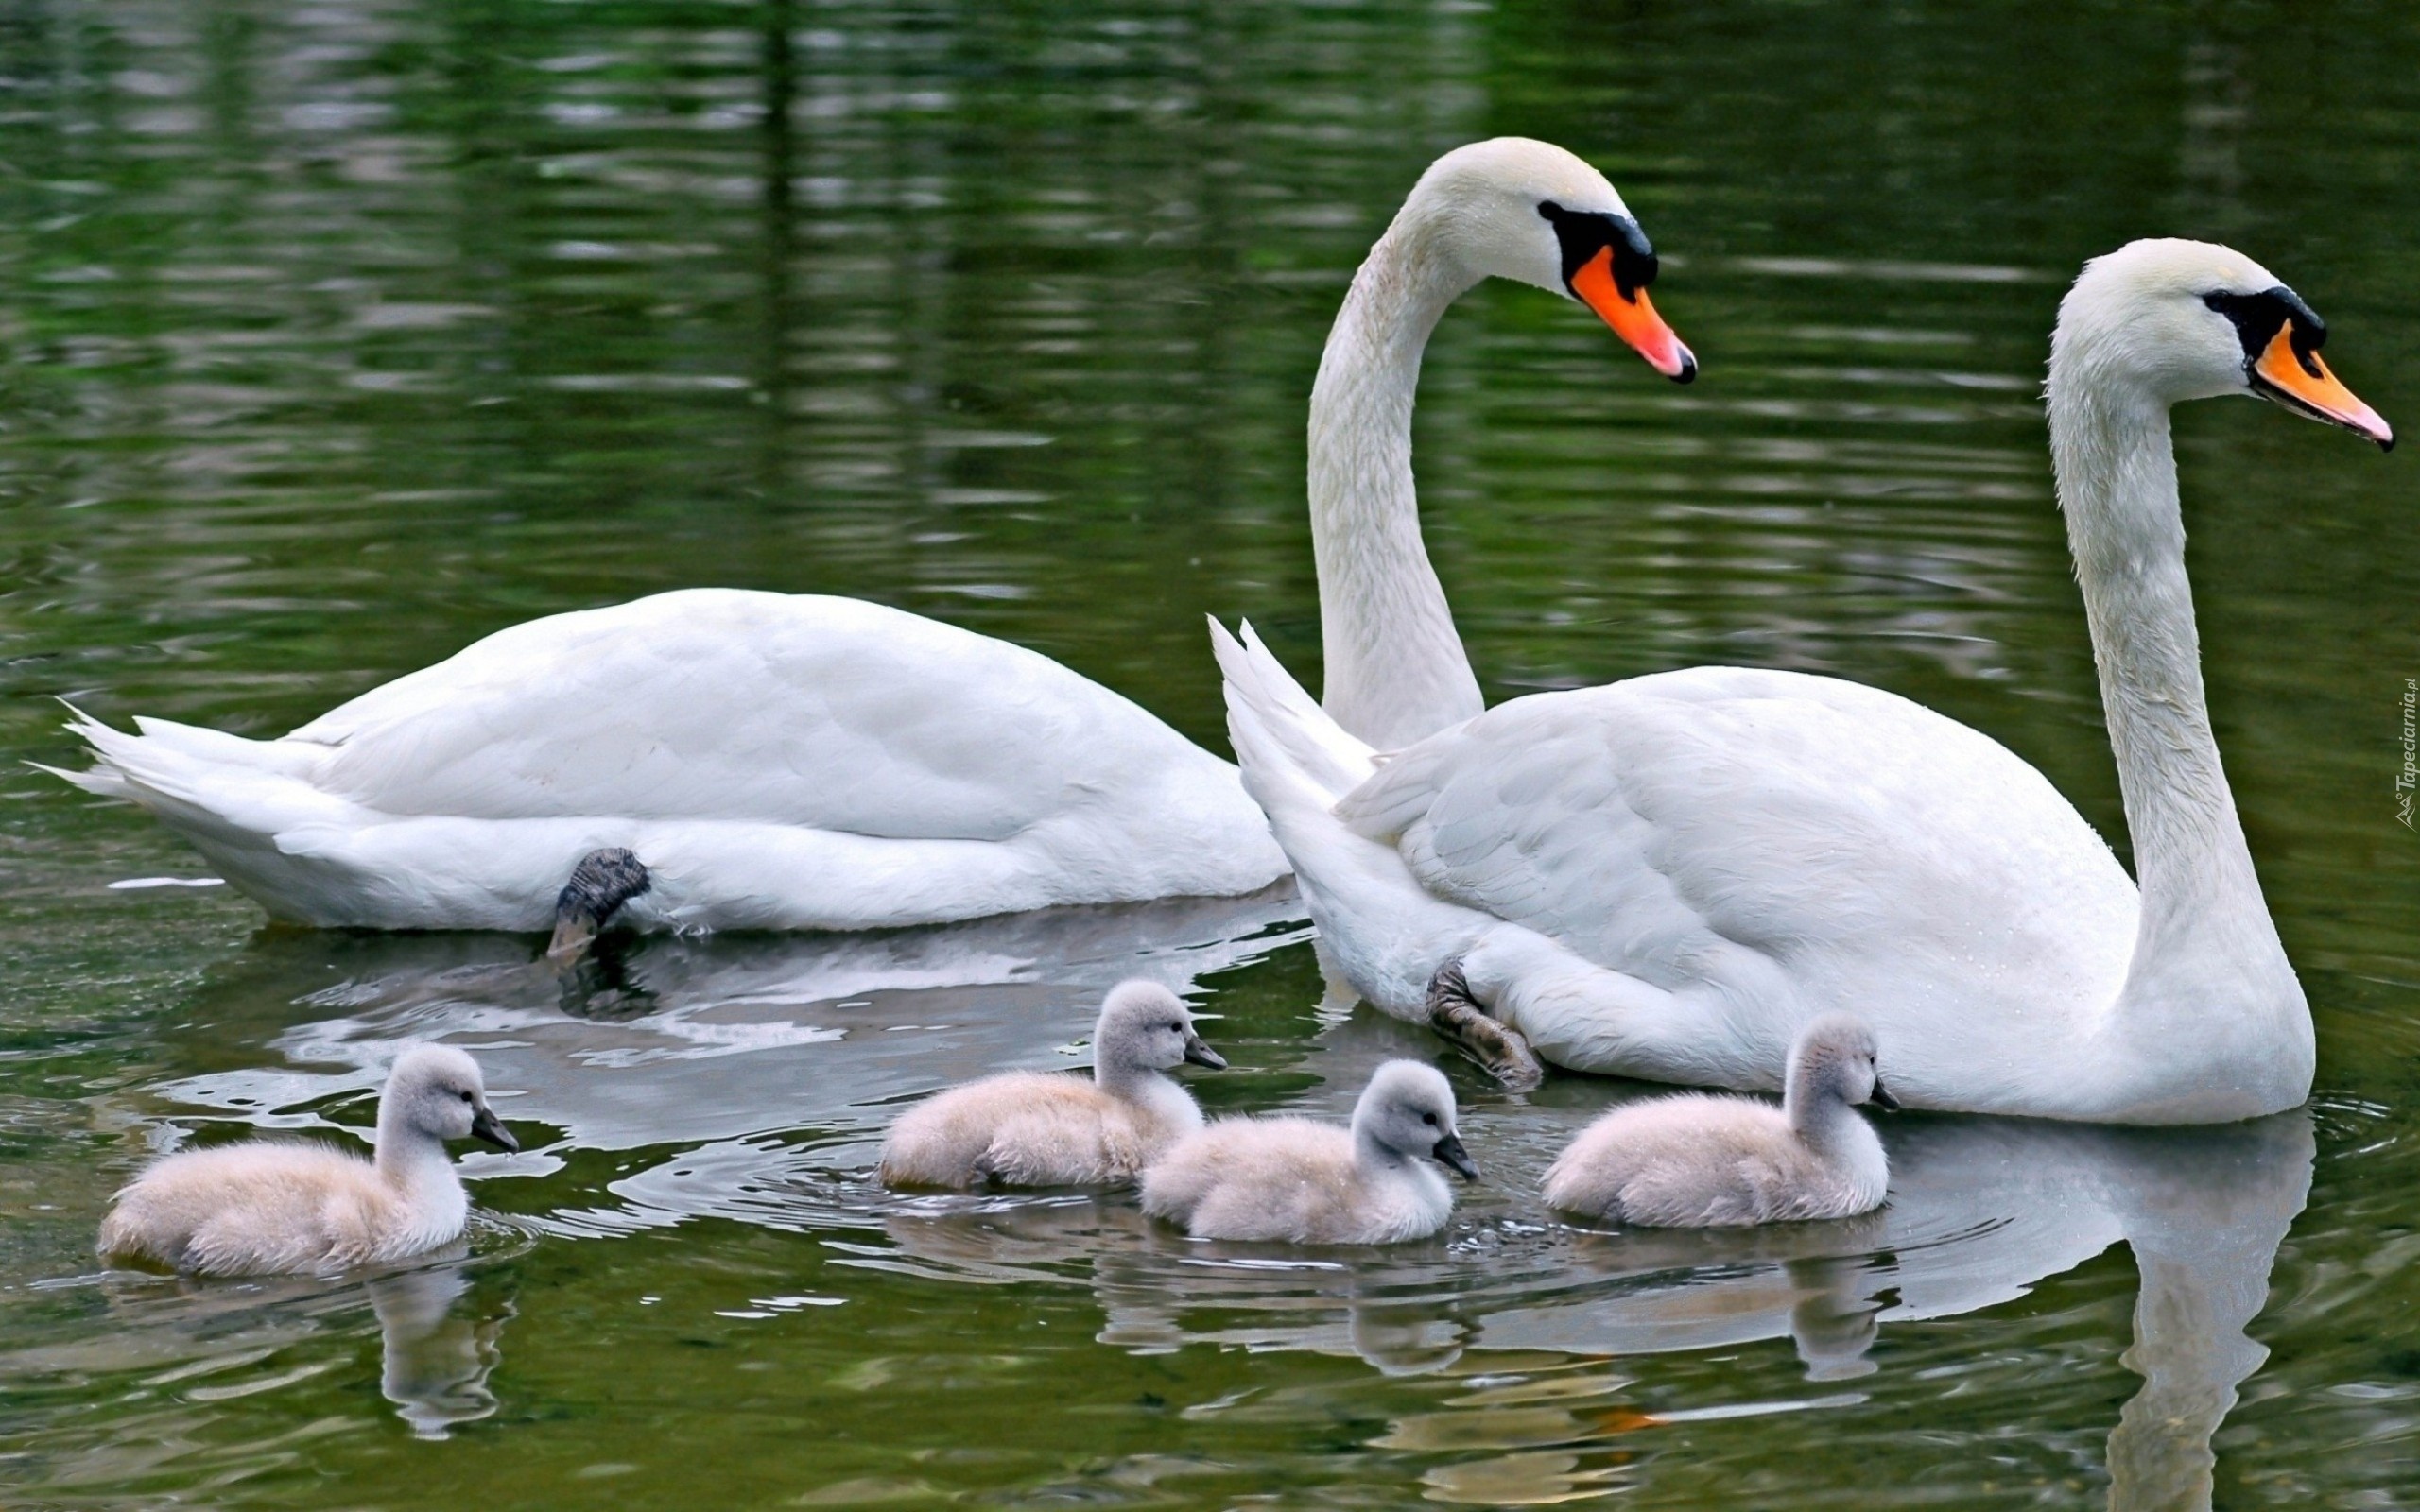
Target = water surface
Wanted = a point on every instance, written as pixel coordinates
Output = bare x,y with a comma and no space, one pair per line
333,336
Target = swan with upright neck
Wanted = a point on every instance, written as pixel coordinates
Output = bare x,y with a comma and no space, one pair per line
1666,876
282,1207
1508,208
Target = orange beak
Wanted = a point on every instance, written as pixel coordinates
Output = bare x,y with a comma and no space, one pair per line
1633,319
2299,380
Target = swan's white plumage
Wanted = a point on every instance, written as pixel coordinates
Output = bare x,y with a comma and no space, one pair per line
1669,876
1297,1180
1035,1129
267,1207
1709,1160
777,762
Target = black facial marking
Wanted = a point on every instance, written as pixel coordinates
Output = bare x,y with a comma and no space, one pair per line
1584,233
2258,316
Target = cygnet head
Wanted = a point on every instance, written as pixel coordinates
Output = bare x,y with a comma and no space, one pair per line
1531,211
436,1090
2177,319
1407,1108
1835,1060
1144,1026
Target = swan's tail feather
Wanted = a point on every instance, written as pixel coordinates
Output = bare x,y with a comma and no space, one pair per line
204,783
1293,730
1297,764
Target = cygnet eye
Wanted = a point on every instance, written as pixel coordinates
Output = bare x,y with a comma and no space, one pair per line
467,1097
1429,1119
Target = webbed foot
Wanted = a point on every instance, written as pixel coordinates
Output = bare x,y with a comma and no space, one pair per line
1498,1047
599,886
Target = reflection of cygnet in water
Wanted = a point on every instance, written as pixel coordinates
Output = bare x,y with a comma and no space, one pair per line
260,1208
434,1365
1700,1161
1306,1182
1033,1128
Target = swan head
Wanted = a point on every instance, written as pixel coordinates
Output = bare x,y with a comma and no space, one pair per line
2184,319
1407,1108
1531,211
1144,1026
436,1090
1834,1057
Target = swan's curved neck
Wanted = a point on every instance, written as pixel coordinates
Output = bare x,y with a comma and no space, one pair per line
2205,951
1817,1114
1121,1078
1395,666
407,1156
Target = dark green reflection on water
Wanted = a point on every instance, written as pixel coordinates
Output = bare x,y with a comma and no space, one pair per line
333,336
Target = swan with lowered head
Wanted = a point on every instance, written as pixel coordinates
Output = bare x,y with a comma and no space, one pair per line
1666,876
1299,1182
267,1207
1699,1162
1026,1129
718,759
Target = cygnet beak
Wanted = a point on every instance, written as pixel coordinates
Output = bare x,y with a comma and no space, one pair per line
1450,1152
1200,1054
1882,1098
486,1126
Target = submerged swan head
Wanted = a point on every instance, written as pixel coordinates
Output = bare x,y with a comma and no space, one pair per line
436,1091
1528,211
1836,1060
1144,1026
1408,1110
2174,319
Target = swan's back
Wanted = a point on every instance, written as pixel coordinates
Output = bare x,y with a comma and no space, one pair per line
253,1209
741,706
1780,834
1291,1180
1026,1129
776,760
1701,1160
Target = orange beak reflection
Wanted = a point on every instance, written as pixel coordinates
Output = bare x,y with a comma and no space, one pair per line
1633,319
2300,380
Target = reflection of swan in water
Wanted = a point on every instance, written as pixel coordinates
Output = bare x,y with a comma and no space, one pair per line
737,1039
191,1346
435,1358
1982,1210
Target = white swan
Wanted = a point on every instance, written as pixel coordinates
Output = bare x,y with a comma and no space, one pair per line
760,761
264,1208
1030,1128
1700,1161
775,761
1667,876
1299,1182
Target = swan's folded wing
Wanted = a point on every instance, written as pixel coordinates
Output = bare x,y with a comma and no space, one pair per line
825,712
1652,822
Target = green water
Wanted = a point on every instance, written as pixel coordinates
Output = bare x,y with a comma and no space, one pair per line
333,335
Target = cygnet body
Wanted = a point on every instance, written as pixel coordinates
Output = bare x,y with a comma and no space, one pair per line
1704,1160
1297,1180
1032,1128
267,1207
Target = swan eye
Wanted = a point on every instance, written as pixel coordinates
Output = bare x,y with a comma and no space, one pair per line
467,1097
1429,1119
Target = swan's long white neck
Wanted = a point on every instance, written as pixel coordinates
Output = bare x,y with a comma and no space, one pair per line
2208,965
1395,666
